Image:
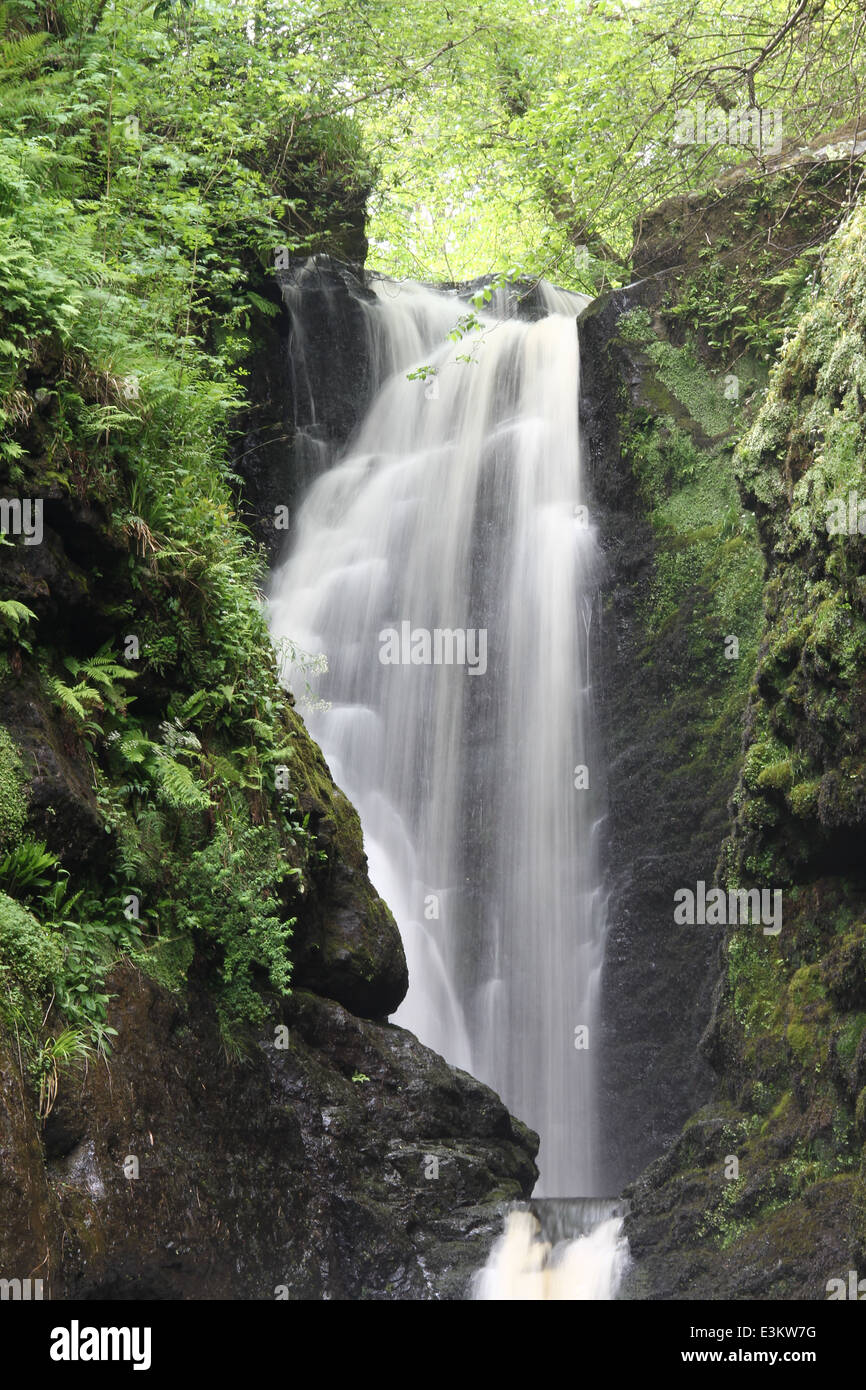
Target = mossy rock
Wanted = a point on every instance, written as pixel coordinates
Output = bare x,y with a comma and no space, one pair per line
13,800
843,970
350,947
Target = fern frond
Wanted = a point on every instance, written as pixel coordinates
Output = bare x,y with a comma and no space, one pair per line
69,699
225,770
14,613
136,748
20,57
180,788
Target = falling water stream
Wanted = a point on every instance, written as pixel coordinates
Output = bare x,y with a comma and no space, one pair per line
446,568
557,1250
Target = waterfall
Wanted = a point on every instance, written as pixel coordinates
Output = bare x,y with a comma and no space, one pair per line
446,568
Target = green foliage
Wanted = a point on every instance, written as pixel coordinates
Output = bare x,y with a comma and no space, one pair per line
70,1049
64,941
493,135
26,869
217,892
537,135
635,326
708,572
146,177
233,899
807,696
96,690
738,307
693,387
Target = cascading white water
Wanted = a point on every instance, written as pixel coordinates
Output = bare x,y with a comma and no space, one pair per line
559,1250
459,509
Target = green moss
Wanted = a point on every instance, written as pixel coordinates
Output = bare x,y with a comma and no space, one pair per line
31,957
808,1012
167,960
766,756
806,987
789,1031
849,1036
780,1112
754,976
13,801
708,572
776,776
803,798
843,969
701,394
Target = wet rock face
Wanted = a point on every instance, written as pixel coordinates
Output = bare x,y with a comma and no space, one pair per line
309,383
57,580
30,1226
339,1158
680,1252
664,821
61,806
647,400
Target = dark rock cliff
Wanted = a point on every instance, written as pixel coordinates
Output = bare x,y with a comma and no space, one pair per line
664,397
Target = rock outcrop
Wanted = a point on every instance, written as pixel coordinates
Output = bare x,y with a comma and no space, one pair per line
338,1158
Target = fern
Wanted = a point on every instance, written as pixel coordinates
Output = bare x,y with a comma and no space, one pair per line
260,730
265,306
102,667
194,705
24,868
281,754
96,688
225,770
14,613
